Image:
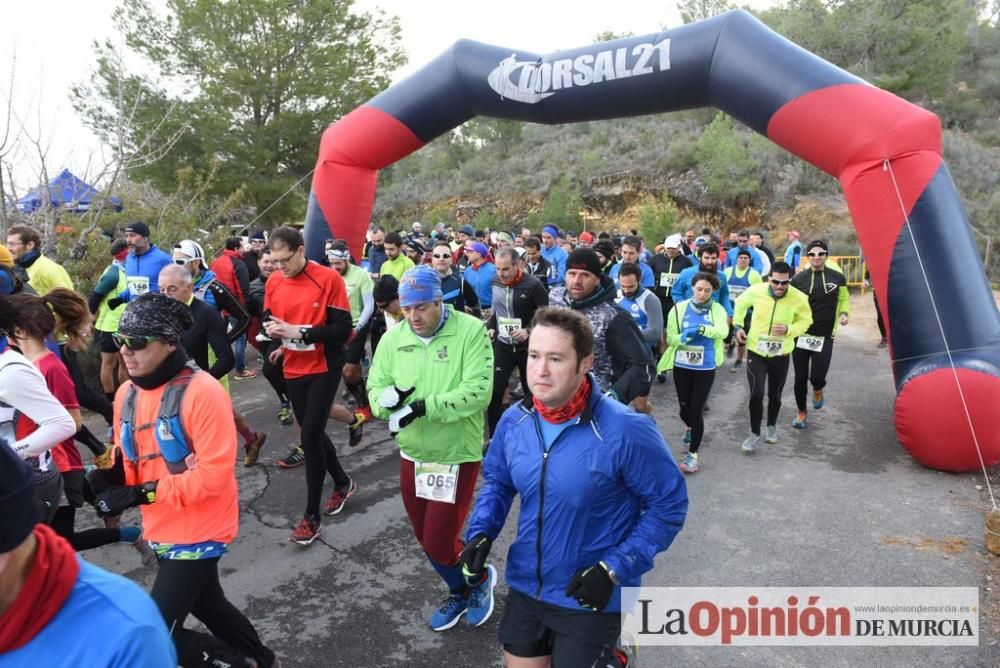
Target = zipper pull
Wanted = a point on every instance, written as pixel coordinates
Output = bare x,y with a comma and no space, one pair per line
545,455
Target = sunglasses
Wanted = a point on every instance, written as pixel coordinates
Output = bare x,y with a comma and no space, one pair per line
132,342
820,254
183,262
775,281
439,256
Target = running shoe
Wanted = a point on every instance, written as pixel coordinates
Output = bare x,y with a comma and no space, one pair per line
295,458
690,463
306,532
246,373
818,399
771,434
800,421
252,449
105,460
737,365
356,430
339,498
285,416
451,610
749,443
687,437
481,598
706,409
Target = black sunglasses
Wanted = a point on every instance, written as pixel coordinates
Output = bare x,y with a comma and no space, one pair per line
132,342
778,282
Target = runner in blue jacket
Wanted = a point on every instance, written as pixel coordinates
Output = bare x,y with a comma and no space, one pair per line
600,497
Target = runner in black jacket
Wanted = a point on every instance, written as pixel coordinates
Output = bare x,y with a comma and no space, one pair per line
516,297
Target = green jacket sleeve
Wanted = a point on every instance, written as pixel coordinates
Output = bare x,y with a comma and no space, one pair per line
673,330
843,301
720,323
743,302
379,378
803,318
475,390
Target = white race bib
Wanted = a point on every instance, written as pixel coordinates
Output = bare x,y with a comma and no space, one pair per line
769,346
507,326
808,342
436,482
668,280
690,356
736,290
137,285
298,345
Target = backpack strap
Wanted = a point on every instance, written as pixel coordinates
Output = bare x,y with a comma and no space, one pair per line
171,438
126,437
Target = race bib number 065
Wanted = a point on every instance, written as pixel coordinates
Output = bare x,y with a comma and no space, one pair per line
436,482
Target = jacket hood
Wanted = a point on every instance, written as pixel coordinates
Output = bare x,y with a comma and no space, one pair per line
605,292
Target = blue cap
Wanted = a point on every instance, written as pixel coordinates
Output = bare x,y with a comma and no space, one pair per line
480,248
419,286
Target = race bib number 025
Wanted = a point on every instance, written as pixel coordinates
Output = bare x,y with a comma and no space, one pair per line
813,343
436,482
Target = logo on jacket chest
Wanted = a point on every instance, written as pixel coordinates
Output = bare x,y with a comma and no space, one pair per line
442,353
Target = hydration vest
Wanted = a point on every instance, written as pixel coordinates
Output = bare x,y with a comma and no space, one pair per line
171,439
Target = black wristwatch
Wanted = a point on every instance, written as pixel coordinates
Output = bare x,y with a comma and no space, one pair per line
149,489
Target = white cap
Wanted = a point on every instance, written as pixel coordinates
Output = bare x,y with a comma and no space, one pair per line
190,248
673,241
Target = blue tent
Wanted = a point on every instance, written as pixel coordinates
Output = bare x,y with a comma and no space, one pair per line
65,192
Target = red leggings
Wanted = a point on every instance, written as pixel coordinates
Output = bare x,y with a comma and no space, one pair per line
437,525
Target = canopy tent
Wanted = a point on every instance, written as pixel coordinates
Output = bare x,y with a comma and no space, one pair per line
66,192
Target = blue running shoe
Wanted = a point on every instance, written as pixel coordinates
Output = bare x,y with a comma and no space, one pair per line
451,610
687,437
481,598
818,399
800,421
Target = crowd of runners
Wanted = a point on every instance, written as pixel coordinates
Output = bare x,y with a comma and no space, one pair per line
519,364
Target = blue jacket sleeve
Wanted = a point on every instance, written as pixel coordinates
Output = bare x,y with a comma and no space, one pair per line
561,266
724,295
496,493
682,287
756,262
650,472
647,275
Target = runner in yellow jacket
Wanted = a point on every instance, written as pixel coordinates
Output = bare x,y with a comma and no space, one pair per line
780,314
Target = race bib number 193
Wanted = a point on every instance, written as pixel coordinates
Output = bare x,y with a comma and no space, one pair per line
690,356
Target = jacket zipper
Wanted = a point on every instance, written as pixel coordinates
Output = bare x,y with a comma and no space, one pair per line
541,500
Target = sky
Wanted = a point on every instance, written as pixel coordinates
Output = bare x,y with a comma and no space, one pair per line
44,63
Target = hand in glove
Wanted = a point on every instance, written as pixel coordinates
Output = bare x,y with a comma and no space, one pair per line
591,587
115,500
102,479
405,415
473,557
115,302
392,398
690,332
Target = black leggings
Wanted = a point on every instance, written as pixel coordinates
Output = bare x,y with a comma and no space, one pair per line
312,397
771,371
692,395
275,373
82,540
505,358
88,398
184,587
810,367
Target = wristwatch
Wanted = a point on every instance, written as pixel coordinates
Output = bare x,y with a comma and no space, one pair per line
149,489
302,334
610,571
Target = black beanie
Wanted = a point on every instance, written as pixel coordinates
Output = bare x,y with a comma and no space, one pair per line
586,259
817,243
155,314
386,289
17,499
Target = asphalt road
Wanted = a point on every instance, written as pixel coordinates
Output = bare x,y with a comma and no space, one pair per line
840,504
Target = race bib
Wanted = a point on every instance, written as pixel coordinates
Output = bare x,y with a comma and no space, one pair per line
298,345
807,342
736,290
137,285
769,346
667,280
507,326
690,356
436,482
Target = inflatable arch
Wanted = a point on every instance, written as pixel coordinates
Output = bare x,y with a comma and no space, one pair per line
944,327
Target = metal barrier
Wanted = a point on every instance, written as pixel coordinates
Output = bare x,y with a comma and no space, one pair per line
852,266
